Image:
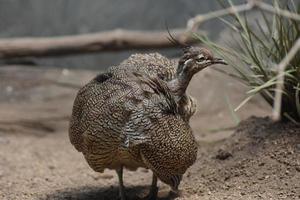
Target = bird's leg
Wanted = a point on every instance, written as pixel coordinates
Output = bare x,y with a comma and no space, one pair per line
153,189
121,185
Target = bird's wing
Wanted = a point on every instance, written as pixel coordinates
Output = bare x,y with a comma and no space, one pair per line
156,101
121,109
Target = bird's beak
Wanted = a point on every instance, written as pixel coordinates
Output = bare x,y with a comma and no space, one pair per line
219,61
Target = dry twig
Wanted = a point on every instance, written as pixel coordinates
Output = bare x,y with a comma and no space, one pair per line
280,80
275,10
194,23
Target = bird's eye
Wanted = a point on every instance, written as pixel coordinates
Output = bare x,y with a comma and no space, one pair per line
200,59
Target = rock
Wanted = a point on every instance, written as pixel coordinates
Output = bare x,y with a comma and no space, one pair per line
223,154
3,140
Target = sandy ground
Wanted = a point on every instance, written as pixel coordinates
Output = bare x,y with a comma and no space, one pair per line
38,162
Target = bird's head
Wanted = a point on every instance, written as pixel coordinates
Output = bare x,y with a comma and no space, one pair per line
195,59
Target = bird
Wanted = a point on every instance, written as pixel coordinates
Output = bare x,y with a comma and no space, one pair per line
136,114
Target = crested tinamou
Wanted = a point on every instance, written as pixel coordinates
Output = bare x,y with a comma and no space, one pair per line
137,115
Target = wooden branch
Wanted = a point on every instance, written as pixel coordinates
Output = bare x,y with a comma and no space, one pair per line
280,80
115,40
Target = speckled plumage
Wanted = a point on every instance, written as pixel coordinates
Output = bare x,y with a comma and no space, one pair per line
131,116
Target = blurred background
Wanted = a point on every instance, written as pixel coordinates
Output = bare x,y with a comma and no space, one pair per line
36,18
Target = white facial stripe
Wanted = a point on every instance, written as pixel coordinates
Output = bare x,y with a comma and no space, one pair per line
200,56
188,61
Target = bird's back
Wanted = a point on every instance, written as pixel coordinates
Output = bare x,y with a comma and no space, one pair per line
153,64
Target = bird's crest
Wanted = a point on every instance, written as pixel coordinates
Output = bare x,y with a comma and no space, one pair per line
175,42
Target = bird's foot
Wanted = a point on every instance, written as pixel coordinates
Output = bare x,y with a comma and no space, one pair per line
153,194
174,194
122,197
121,185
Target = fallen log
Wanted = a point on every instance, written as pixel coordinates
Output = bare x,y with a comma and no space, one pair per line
115,40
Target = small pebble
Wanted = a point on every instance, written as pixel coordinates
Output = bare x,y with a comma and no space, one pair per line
144,170
9,89
287,172
223,155
261,178
65,72
51,167
266,177
4,140
104,176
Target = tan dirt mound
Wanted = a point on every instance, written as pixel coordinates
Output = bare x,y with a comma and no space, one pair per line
261,160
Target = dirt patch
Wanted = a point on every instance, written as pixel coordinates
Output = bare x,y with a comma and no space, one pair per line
261,160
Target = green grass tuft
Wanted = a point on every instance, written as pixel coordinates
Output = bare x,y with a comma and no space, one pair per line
260,47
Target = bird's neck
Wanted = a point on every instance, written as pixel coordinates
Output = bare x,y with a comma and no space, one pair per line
179,84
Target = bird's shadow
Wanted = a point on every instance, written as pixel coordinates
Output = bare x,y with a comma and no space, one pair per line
104,193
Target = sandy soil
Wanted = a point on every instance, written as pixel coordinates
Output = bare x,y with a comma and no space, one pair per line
259,161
